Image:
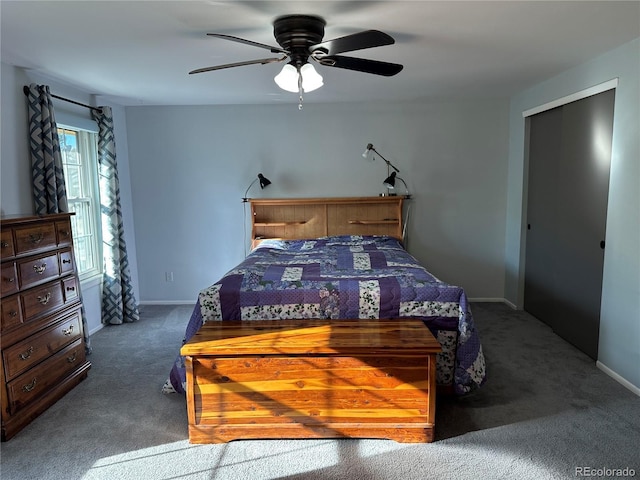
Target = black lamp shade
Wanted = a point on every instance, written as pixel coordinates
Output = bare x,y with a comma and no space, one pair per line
390,181
264,181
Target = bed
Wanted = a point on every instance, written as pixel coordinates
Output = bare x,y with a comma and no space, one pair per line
340,258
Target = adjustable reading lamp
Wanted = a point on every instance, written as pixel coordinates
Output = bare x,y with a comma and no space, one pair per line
371,148
264,181
390,181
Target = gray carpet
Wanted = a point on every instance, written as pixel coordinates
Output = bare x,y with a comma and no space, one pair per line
545,411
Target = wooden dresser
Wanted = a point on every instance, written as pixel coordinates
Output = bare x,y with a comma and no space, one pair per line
42,341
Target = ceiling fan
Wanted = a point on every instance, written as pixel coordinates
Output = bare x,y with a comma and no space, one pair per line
300,39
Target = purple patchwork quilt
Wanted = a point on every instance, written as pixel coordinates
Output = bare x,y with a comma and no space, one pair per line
344,277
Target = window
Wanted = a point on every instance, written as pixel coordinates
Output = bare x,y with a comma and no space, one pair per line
80,163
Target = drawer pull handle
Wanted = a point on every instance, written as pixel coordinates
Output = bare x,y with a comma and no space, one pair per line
73,357
29,386
71,289
13,313
65,233
67,331
4,244
9,279
27,354
36,238
40,269
44,300
65,260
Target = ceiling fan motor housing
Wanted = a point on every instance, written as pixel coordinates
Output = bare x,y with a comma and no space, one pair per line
296,33
300,38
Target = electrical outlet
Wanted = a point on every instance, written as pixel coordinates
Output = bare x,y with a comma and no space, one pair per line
168,276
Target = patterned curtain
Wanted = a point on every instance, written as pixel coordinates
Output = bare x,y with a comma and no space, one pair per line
118,300
49,192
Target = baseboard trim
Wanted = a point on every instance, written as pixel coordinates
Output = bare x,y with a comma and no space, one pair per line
512,305
493,300
96,329
621,380
166,302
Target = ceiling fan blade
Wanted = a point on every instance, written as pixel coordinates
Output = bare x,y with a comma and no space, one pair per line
362,65
247,42
262,61
356,41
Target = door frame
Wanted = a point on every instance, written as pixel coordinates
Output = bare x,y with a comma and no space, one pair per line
585,93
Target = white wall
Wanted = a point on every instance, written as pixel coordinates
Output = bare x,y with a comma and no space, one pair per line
190,167
15,166
619,346
15,162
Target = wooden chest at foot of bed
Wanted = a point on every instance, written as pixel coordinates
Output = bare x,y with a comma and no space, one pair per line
311,379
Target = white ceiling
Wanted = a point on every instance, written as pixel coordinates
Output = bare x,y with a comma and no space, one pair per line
140,53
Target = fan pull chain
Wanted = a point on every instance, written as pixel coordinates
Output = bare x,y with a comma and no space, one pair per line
300,89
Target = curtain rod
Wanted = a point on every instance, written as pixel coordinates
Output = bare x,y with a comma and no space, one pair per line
25,89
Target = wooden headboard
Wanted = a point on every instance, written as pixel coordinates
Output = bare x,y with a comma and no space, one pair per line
299,218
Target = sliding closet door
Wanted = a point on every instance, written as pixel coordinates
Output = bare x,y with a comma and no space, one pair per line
545,149
569,160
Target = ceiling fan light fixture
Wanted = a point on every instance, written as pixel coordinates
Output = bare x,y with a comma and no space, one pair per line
311,80
287,79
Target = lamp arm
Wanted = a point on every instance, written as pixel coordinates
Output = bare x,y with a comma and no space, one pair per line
245,199
387,161
405,187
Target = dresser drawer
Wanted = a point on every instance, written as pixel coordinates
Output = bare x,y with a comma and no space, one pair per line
37,270
29,239
66,261
6,244
35,383
63,232
27,353
11,312
9,280
45,299
70,289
